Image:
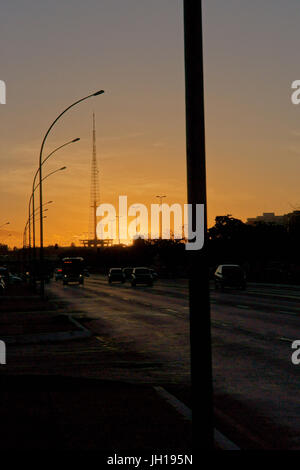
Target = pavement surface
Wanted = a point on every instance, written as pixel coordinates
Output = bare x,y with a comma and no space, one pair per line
140,336
94,392
63,413
255,381
256,384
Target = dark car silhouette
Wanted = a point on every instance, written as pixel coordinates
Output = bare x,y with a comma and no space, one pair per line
116,275
230,275
2,286
127,273
141,276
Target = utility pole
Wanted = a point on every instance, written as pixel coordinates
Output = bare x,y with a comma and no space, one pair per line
201,369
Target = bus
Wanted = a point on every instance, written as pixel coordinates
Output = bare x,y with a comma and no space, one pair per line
73,270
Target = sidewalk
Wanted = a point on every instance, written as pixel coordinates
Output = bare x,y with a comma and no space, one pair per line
26,318
39,327
59,412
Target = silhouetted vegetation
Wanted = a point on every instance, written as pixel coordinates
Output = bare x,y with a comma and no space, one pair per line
267,251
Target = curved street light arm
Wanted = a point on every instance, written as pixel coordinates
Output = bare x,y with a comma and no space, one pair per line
40,174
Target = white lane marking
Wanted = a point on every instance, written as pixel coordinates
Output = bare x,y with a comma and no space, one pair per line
286,296
222,441
287,312
184,410
282,338
171,310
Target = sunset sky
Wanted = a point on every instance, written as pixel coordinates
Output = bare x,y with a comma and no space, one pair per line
55,52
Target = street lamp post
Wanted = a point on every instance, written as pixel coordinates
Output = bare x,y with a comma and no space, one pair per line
27,226
33,220
118,217
34,187
41,186
30,217
6,223
160,216
32,199
136,224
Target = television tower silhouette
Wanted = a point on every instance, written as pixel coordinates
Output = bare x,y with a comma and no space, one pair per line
92,240
94,196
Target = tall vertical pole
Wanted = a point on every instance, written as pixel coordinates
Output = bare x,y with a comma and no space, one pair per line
41,191
118,217
196,183
95,176
160,216
94,183
29,228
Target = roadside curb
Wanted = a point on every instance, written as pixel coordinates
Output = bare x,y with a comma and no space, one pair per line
82,332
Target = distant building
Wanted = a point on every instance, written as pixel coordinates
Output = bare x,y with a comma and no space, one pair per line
291,218
268,217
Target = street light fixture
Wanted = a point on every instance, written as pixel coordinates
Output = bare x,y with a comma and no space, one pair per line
41,179
160,217
32,199
160,198
27,225
6,223
34,187
30,217
136,224
40,218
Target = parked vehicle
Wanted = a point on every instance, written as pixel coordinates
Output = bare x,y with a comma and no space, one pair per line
72,270
127,273
230,275
141,276
116,275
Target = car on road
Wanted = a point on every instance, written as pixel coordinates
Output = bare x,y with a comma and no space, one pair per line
127,273
116,275
2,286
141,276
154,274
72,270
58,274
14,280
230,275
4,274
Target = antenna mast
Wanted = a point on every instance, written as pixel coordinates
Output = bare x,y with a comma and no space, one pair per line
94,189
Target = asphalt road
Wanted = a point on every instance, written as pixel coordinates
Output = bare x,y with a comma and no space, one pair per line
153,322
142,335
256,385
